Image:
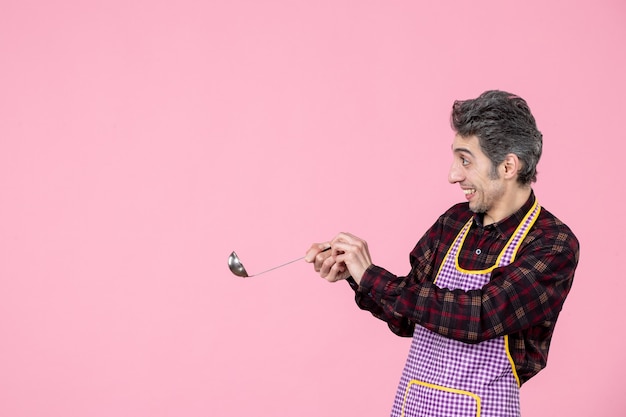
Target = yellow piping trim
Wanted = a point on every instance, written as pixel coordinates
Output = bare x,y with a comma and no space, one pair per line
440,388
525,233
508,355
497,263
513,255
445,258
506,337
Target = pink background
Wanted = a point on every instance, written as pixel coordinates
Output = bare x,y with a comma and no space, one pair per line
142,141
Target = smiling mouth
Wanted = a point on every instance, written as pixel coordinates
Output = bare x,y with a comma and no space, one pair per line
469,191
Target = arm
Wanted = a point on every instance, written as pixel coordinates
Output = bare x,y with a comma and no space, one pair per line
332,270
525,293
350,260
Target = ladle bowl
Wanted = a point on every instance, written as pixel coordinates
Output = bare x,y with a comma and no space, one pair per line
236,267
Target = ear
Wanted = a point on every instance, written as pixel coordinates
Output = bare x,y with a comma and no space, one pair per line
511,166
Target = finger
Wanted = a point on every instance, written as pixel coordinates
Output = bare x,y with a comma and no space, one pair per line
337,272
314,250
342,248
320,258
346,237
326,265
343,239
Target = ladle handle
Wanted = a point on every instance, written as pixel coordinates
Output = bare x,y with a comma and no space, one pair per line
285,264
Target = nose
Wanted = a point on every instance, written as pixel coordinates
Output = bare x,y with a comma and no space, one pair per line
455,174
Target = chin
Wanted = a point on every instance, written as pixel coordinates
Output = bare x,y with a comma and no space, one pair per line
478,209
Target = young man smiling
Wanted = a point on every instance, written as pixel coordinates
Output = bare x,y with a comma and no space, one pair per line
487,280
491,190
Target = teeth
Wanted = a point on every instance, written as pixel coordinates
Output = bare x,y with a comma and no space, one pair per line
471,191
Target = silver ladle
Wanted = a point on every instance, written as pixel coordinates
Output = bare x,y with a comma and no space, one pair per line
237,268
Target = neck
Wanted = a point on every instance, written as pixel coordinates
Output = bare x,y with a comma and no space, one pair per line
508,204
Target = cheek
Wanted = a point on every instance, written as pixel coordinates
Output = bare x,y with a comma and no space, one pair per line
480,177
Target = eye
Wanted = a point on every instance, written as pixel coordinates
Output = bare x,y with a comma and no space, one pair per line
464,161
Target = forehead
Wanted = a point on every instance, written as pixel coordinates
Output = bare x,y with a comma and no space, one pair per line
467,144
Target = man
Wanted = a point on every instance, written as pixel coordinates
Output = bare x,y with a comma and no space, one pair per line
487,280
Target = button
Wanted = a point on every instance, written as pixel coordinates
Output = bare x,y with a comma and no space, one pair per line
478,251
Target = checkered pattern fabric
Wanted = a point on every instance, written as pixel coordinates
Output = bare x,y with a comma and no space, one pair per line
445,377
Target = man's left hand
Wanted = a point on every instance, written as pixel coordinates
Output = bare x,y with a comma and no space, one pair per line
352,252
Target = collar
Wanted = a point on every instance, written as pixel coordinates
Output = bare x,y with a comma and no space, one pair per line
507,227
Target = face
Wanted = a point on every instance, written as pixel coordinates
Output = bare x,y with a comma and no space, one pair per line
475,174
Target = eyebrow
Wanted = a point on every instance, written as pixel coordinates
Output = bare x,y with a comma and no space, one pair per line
459,150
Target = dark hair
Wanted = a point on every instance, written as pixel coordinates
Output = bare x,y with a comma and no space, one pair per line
503,124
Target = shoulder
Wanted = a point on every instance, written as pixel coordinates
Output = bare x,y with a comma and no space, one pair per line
554,233
456,216
451,221
447,225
